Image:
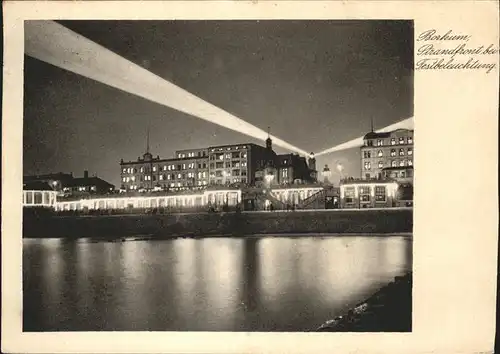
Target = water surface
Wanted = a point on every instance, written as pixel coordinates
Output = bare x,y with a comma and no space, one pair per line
213,284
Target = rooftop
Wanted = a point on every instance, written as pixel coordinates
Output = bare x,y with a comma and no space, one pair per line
86,181
37,186
351,180
375,135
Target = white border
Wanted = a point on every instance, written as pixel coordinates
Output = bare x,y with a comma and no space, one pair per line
456,213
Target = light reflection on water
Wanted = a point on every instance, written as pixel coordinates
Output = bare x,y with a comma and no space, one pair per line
213,284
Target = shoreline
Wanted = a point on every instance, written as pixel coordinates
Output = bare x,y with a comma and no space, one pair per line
388,310
273,235
196,225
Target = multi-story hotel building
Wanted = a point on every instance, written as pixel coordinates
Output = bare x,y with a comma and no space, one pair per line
388,155
245,164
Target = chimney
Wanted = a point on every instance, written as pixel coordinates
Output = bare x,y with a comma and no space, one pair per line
85,174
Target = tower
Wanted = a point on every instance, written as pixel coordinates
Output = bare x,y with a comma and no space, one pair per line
269,142
326,174
147,155
312,162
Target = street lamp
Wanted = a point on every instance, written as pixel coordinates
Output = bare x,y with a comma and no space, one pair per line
269,178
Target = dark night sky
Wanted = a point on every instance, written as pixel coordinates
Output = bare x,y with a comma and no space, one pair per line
315,83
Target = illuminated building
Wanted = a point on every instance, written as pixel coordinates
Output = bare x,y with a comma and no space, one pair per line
39,194
80,186
273,169
388,155
65,184
223,165
363,193
386,172
178,201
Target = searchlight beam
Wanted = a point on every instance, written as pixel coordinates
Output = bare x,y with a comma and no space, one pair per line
55,44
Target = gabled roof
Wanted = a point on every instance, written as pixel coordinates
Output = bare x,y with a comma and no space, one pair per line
85,182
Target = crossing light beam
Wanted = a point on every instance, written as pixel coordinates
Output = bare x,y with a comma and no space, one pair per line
404,124
55,44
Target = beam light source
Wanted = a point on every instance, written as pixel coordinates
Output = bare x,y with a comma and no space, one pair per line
55,44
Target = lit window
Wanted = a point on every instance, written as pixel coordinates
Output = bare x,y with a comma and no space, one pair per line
154,168
169,177
380,143
179,175
401,163
204,174
132,178
142,169
394,164
393,141
393,152
183,166
124,179
410,163
368,166
380,194
244,164
244,155
380,164
127,179
124,170
161,177
172,185
93,188
349,194
401,152
410,151
401,140
380,153
410,140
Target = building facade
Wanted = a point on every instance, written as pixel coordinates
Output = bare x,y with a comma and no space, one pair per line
364,193
388,155
87,185
386,172
224,165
